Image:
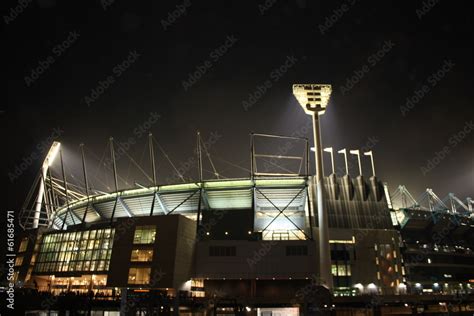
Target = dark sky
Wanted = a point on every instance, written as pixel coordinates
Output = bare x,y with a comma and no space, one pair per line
390,50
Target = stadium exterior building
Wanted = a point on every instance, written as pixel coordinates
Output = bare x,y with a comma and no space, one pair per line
184,237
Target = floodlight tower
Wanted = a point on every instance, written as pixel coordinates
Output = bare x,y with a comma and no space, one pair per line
314,99
48,161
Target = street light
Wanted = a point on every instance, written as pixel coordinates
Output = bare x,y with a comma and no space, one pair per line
369,153
357,153
344,151
329,150
314,99
48,161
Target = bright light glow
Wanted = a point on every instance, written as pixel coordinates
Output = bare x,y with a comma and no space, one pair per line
417,285
359,286
368,153
312,97
435,284
248,309
328,149
52,153
372,286
355,151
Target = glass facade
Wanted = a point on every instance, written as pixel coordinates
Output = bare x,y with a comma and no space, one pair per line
341,270
23,244
139,275
18,261
81,251
144,235
342,253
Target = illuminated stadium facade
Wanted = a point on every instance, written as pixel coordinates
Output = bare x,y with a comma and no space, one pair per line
256,239
183,237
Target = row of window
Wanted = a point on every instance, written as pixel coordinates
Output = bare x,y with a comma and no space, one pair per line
230,251
341,269
80,235
23,244
79,266
222,251
68,256
76,251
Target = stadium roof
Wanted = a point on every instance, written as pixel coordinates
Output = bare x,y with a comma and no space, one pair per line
265,194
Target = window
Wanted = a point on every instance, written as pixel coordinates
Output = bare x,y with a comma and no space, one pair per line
296,250
23,244
76,251
144,235
18,261
341,270
221,251
139,255
139,275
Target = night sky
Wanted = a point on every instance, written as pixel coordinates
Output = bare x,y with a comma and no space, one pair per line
121,64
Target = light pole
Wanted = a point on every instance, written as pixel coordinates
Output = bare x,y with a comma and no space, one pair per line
344,151
357,153
314,99
369,153
48,161
329,150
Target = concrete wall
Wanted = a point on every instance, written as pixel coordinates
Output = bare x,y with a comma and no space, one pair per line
255,259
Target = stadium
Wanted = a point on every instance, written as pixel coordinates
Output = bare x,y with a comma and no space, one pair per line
288,241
